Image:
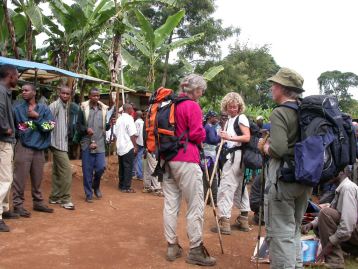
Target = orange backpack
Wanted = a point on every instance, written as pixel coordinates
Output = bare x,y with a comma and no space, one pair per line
160,124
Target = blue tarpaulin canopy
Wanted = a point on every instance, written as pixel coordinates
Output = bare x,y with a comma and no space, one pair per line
26,68
23,65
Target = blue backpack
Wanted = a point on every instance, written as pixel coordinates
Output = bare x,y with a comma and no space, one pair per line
327,141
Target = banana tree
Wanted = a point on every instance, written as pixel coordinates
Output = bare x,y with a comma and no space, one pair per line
73,31
152,43
117,52
10,28
33,16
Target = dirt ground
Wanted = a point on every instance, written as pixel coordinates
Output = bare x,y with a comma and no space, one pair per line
119,231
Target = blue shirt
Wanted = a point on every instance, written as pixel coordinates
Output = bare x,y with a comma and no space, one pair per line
212,137
33,133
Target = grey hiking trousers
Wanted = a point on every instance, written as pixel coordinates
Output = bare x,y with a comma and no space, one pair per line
284,207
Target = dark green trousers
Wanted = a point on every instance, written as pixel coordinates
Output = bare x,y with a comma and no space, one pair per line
61,177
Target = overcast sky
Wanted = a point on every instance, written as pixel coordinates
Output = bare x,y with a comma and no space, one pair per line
309,36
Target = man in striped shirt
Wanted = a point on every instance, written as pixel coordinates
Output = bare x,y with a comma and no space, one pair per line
61,167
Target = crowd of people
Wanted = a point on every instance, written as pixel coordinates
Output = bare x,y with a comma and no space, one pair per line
30,127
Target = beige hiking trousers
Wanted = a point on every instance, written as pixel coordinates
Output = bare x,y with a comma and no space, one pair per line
148,179
230,189
6,175
183,180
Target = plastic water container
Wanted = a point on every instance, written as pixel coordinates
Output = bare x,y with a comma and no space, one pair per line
309,250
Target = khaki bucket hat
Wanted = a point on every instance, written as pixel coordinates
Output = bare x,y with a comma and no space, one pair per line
289,78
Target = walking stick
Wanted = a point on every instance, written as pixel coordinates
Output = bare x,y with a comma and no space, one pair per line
262,189
213,204
215,165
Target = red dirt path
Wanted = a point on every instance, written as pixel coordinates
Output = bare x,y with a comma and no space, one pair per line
118,231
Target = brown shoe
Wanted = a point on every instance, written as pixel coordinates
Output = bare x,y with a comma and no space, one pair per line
200,256
242,224
224,226
174,251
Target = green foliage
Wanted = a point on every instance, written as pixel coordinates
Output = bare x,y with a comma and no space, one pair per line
338,84
212,72
246,72
151,43
254,111
198,19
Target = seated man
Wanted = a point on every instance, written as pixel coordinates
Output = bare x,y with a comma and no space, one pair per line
337,224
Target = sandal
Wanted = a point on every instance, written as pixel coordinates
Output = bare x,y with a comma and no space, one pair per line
147,190
159,193
128,191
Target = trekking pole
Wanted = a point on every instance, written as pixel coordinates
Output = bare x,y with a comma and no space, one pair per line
213,204
215,164
262,189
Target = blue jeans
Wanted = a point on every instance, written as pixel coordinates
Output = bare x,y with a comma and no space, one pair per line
138,162
93,166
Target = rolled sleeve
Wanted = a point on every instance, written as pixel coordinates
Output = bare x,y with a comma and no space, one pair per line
348,220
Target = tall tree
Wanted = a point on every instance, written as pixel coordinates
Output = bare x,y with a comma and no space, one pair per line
338,84
246,72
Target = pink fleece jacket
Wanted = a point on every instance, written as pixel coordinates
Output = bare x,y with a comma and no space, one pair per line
189,116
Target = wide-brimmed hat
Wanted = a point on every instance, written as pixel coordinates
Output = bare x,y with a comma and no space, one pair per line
289,78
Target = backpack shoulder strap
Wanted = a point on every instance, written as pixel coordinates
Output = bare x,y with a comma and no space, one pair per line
292,105
237,126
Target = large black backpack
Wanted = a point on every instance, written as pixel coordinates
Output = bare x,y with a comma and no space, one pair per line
251,157
327,140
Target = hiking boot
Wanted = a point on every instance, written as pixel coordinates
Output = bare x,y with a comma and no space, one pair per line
22,212
4,227
200,256
10,215
174,251
242,223
224,225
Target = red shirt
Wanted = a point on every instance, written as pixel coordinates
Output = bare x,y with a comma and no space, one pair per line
189,116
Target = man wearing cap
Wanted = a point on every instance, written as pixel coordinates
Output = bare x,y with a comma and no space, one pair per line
212,139
285,203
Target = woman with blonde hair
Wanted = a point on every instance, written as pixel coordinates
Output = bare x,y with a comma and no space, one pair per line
235,132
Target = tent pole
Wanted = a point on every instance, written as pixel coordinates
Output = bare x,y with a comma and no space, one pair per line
35,83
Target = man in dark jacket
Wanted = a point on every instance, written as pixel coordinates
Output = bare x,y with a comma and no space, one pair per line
34,123
92,126
8,80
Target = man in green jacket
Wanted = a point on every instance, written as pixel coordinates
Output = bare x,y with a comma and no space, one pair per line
285,203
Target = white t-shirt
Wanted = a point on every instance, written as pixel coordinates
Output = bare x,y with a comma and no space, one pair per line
139,125
231,131
124,129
